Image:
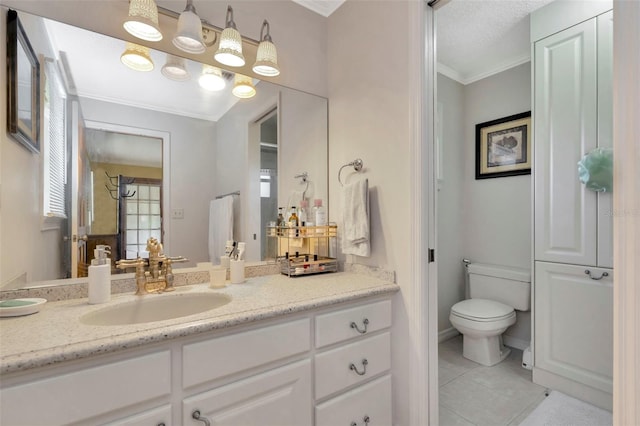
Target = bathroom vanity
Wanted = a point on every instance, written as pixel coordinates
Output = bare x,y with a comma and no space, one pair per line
305,351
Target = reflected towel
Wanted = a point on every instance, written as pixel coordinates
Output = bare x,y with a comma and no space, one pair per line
220,227
355,214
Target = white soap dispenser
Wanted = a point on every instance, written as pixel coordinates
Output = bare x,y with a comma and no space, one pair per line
100,276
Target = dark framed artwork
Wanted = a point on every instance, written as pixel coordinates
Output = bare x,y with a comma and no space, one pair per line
503,147
23,86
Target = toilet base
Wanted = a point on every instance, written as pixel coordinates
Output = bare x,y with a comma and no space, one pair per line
487,351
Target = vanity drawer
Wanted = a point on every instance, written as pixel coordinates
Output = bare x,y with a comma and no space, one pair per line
337,326
64,399
157,416
371,401
222,356
345,366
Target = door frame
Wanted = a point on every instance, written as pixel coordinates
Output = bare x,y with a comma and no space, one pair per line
166,167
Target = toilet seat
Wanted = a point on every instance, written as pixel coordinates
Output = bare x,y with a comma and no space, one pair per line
482,310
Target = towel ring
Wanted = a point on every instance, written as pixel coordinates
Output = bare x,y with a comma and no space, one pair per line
357,166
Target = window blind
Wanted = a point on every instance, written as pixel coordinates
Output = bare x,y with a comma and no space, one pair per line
55,162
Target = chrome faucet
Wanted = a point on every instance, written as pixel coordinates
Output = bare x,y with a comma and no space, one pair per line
159,276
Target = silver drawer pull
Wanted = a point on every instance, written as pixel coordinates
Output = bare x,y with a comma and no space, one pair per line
365,419
604,274
196,415
353,367
365,322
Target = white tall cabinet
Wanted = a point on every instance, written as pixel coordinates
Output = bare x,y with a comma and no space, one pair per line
573,244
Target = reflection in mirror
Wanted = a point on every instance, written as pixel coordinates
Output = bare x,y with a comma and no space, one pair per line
201,145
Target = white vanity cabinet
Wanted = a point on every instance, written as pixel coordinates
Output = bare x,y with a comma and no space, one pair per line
285,371
573,238
352,366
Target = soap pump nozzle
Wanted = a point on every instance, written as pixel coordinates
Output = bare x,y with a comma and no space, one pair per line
100,254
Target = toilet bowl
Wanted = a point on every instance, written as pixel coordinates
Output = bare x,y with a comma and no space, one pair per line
496,292
482,323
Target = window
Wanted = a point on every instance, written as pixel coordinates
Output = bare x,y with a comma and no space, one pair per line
143,216
55,143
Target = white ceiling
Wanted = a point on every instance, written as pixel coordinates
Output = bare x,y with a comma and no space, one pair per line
478,38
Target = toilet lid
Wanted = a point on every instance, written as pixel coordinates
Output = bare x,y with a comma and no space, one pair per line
481,310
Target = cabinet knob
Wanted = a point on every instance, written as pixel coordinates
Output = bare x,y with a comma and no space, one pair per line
196,415
353,367
365,419
604,274
364,330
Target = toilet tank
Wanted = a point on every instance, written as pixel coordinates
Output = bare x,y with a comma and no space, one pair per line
511,286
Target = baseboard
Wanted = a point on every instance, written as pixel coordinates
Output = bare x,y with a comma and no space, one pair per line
447,334
514,342
572,388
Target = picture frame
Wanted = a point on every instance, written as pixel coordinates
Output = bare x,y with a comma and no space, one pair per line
23,86
503,147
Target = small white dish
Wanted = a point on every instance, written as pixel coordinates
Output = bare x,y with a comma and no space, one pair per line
19,307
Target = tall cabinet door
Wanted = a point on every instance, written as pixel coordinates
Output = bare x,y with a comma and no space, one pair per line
605,133
574,323
565,129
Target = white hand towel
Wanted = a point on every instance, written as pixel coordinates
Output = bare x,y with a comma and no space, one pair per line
355,214
220,227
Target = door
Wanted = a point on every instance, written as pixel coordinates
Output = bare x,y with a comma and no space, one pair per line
77,222
565,120
140,215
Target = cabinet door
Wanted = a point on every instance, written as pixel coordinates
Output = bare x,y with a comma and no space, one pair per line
280,397
605,133
565,130
371,402
574,323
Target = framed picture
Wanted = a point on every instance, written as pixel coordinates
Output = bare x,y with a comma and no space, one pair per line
23,86
503,147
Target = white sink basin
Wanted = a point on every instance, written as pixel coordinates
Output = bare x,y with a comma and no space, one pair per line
150,308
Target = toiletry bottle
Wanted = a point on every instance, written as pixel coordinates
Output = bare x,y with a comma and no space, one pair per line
320,216
303,217
293,222
280,220
100,276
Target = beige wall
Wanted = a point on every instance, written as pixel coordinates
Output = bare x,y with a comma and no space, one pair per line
370,118
105,208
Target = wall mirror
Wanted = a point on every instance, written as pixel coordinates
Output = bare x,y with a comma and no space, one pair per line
23,86
199,145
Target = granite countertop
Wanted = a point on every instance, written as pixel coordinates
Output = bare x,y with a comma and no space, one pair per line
55,334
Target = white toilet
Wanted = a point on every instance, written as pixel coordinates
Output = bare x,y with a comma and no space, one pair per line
495,291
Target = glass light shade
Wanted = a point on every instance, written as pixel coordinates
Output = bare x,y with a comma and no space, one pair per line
142,21
137,57
188,37
266,60
243,87
211,78
175,68
230,49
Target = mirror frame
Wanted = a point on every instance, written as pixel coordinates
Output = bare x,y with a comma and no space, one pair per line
27,134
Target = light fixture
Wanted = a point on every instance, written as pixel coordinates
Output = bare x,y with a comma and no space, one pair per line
175,68
142,21
230,49
267,56
243,87
189,37
137,57
211,78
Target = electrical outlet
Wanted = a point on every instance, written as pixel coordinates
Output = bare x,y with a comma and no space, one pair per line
177,214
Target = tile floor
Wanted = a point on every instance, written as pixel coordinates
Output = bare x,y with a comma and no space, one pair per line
471,394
